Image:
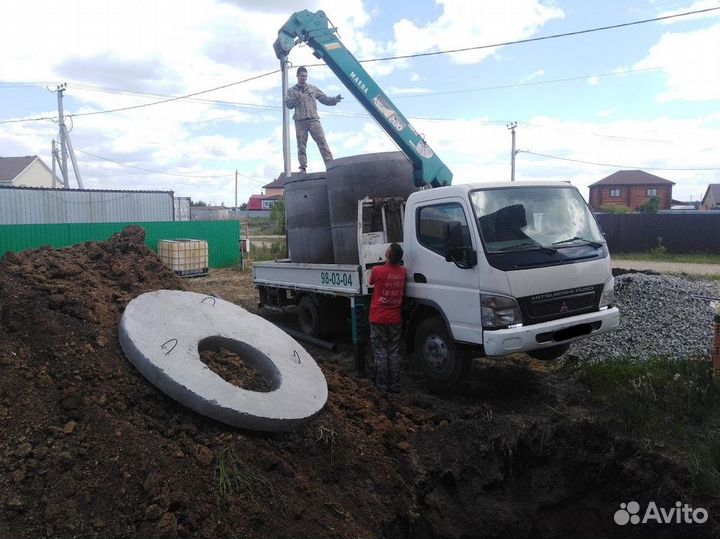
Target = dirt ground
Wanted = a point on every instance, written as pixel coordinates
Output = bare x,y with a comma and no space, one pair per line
89,448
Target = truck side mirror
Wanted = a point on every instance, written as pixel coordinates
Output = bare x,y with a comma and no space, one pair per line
457,247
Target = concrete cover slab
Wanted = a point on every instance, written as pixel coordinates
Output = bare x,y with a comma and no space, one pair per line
160,333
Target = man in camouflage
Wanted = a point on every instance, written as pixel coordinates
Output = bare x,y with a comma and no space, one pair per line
301,97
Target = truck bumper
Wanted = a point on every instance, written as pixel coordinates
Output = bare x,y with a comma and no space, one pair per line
507,341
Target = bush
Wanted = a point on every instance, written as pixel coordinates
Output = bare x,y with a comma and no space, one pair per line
613,208
277,216
651,205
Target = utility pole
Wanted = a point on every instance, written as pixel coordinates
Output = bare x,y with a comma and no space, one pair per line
53,157
236,206
286,117
61,136
511,126
65,143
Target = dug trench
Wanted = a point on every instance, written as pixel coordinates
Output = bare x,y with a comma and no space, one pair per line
89,448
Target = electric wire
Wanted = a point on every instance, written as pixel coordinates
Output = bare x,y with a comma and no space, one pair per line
542,38
170,173
398,57
626,167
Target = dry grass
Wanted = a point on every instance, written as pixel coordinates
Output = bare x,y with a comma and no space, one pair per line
231,284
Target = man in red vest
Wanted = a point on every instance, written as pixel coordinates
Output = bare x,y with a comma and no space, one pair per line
386,318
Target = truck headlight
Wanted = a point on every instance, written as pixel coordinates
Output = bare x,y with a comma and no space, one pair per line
499,311
608,294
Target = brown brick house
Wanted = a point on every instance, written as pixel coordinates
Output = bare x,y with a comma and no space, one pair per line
630,188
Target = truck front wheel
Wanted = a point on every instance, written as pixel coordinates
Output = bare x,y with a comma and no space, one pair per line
438,355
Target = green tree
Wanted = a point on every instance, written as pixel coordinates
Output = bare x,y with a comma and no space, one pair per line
200,204
277,216
651,205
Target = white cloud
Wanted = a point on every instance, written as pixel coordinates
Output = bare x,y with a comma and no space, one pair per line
183,46
607,112
463,21
690,63
532,76
395,90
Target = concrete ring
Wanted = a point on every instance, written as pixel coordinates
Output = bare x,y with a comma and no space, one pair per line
161,332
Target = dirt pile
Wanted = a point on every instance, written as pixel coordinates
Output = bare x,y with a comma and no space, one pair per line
89,448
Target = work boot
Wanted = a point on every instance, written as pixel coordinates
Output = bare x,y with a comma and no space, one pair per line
302,170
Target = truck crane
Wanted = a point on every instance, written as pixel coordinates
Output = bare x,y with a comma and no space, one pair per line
315,30
494,267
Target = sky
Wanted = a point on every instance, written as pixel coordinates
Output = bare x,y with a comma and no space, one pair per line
643,96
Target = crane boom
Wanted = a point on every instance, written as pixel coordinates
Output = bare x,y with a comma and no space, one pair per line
315,30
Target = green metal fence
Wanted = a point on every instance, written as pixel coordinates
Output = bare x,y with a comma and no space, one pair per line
223,237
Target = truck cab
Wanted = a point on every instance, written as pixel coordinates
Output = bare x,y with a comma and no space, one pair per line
498,268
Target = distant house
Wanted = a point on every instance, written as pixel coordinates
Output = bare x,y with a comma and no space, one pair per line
275,187
711,200
630,188
272,194
27,171
263,202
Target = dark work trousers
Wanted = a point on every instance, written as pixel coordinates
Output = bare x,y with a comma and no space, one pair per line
385,339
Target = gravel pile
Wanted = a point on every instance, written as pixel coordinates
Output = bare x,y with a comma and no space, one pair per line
658,318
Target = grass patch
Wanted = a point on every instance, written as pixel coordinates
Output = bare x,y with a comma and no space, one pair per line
276,250
327,437
657,256
236,477
673,403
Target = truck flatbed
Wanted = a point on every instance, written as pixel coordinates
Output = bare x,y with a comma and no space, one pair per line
335,279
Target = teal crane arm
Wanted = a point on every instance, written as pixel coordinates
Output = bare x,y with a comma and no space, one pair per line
315,30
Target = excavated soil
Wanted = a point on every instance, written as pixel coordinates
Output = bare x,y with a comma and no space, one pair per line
89,448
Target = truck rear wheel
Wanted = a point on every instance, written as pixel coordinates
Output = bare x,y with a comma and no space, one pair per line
438,356
308,316
550,353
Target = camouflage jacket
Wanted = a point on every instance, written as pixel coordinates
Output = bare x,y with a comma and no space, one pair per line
302,99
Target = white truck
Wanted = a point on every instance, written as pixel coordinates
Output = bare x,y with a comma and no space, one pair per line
493,269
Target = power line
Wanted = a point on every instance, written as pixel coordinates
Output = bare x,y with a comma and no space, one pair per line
170,173
23,120
153,171
399,57
628,167
542,38
521,84
178,97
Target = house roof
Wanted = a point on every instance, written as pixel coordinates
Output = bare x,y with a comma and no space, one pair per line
713,188
278,183
632,177
11,167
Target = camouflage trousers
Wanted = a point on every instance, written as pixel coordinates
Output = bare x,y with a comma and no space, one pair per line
385,339
312,126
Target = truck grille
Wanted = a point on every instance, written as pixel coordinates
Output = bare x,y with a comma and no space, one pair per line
559,304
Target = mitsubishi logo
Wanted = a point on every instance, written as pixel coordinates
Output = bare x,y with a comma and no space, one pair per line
563,307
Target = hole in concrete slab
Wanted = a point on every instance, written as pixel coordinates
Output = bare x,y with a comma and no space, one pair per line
239,364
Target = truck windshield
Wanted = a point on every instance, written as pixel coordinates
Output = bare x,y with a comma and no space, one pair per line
531,218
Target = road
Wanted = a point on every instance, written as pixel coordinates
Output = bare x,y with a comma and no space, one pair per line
668,267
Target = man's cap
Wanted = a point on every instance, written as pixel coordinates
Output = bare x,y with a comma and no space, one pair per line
301,69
